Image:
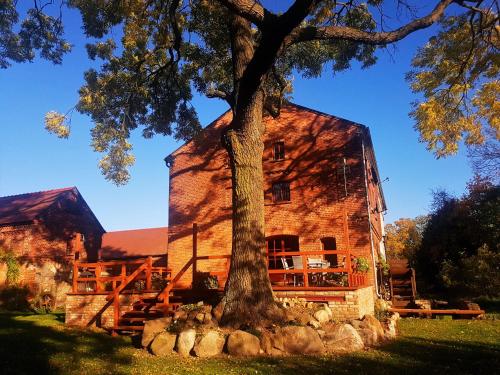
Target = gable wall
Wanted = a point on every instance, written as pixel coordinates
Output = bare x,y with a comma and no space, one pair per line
200,189
40,247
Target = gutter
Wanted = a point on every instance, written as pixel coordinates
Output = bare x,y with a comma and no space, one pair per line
369,219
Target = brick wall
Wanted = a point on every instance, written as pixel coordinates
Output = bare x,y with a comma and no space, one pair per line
91,310
42,252
349,304
321,199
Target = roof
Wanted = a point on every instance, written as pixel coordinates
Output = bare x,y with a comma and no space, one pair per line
24,208
134,243
27,207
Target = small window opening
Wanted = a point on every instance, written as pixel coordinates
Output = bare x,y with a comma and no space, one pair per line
330,244
279,151
281,192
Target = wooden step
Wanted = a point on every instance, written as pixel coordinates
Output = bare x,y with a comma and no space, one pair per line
128,328
437,311
132,319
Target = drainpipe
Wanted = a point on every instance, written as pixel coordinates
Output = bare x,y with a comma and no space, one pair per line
369,219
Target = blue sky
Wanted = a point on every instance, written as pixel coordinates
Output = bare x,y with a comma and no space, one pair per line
33,160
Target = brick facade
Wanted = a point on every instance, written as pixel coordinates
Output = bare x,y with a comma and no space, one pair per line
46,245
94,310
328,195
345,304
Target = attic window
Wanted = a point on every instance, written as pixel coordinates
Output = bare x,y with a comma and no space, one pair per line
279,150
281,192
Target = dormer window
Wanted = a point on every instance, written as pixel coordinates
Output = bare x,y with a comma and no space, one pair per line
281,192
279,150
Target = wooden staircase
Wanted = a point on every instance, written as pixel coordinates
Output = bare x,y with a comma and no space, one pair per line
146,308
402,283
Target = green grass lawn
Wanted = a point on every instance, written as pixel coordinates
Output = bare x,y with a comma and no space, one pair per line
39,344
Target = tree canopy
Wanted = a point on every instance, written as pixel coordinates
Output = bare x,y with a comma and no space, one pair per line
168,48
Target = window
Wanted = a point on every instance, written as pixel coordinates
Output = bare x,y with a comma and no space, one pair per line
279,151
281,192
277,245
329,244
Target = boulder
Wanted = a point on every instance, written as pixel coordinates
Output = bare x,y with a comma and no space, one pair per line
298,340
200,317
181,315
390,331
152,328
242,343
217,311
328,310
355,323
210,344
343,338
163,344
207,319
322,316
314,323
368,336
395,316
370,322
185,342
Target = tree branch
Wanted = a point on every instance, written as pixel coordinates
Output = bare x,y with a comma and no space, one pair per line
251,10
309,33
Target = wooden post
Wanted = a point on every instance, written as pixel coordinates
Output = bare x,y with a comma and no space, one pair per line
148,273
75,276
195,251
123,273
98,278
348,245
116,313
304,271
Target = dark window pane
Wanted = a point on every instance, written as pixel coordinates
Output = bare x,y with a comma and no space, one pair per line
281,192
279,151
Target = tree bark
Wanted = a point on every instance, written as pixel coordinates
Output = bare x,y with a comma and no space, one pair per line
248,298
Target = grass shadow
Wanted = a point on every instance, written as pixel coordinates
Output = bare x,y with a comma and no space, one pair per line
35,344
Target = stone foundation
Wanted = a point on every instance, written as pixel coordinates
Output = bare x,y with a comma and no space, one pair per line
347,305
84,310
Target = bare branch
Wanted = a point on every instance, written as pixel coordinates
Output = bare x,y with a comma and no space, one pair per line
309,33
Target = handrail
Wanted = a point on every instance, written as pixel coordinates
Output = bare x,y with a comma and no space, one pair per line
314,252
128,280
166,290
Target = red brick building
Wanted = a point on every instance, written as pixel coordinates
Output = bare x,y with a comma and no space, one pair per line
323,213
322,192
47,231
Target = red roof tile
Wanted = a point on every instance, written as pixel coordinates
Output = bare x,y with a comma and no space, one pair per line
134,243
27,207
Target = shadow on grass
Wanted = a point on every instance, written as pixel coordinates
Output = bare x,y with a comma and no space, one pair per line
27,347
405,356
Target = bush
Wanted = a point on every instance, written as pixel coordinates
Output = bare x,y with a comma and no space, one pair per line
361,265
474,275
15,298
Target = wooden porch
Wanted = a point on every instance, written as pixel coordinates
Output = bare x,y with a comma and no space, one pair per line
154,287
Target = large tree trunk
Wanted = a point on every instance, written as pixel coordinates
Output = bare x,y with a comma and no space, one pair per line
248,297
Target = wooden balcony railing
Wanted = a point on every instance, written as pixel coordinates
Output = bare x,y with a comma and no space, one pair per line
109,276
